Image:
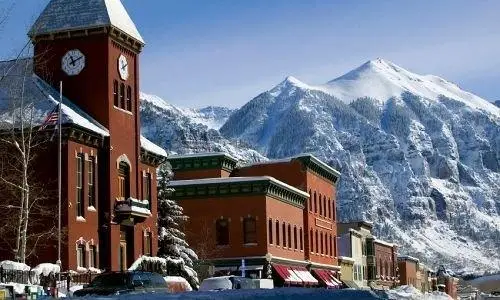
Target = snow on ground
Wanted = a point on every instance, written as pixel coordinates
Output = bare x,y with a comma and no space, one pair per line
180,281
411,293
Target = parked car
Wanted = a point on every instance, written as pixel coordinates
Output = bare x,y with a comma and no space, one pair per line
230,283
118,283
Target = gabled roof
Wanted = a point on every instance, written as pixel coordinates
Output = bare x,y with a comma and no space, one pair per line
69,15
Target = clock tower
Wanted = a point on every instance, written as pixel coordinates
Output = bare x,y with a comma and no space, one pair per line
93,48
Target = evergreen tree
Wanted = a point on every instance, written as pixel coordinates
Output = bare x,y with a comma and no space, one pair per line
172,243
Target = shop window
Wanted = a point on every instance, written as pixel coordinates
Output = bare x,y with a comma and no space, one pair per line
249,230
222,232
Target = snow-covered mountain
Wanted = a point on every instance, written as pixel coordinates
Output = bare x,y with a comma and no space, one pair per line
419,156
184,131
497,103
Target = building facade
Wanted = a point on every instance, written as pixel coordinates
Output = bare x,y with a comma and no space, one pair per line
109,170
382,263
295,240
409,271
351,246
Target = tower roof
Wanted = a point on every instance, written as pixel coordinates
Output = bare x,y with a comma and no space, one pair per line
69,15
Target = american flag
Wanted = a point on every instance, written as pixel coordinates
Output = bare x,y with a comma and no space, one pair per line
51,119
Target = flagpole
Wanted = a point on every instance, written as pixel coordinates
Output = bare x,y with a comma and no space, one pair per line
59,171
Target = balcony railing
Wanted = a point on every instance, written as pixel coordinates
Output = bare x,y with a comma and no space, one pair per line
132,208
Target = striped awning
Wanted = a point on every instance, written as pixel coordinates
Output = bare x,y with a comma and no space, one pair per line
327,277
295,275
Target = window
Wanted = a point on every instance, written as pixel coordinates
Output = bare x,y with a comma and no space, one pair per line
222,232
324,206
315,203
333,209
249,230
289,236
80,256
316,239
310,201
295,244
277,233
329,208
321,238
90,181
331,245
320,206
301,239
146,186
387,271
79,185
92,257
147,244
122,96
270,229
334,246
311,240
115,93
283,227
123,181
129,98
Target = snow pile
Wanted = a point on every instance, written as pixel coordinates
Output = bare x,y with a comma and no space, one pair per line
46,269
12,265
411,293
177,283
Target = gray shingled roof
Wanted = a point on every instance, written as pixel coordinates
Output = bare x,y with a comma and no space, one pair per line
66,15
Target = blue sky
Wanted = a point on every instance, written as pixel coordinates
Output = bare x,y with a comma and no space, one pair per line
225,52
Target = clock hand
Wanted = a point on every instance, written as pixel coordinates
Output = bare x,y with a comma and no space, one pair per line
72,60
124,67
77,60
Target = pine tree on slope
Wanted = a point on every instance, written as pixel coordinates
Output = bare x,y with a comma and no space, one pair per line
172,244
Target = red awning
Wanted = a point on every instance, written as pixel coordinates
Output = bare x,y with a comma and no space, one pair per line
305,276
326,277
287,274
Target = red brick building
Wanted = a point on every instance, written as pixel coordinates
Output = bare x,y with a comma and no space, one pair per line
278,216
109,169
408,271
382,263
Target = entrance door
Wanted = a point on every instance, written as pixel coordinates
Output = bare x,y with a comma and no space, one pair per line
123,251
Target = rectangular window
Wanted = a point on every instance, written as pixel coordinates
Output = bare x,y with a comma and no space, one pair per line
249,230
92,257
222,232
121,187
284,234
147,244
129,98
301,239
147,189
115,93
277,233
80,256
289,236
270,229
295,238
79,185
90,181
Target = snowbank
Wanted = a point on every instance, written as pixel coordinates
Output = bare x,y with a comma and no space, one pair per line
46,269
12,265
411,293
177,283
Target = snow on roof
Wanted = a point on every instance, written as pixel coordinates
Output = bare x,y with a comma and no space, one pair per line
152,147
46,269
384,243
203,154
68,15
39,95
407,257
346,258
12,265
177,183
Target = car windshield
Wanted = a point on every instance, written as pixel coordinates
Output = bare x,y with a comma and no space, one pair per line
110,280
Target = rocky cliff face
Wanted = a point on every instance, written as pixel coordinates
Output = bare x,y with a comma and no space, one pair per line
419,156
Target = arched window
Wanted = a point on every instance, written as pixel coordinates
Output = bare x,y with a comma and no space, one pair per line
295,237
277,233
115,93
270,230
122,96
129,98
324,206
315,203
301,236
123,181
317,241
249,230
320,205
329,208
222,232
284,234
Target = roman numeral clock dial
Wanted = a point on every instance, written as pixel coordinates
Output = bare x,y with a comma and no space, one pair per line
123,67
73,62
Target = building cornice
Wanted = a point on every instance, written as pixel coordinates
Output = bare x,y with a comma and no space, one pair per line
202,161
150,158
231,186
318,167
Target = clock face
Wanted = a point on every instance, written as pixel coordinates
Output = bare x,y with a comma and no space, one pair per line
73,62
123,67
